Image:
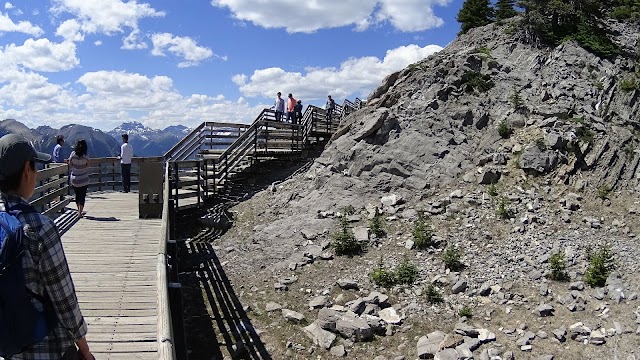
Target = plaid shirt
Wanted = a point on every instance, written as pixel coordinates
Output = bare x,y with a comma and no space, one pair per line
47,272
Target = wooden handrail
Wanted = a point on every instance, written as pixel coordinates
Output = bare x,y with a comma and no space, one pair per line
166,349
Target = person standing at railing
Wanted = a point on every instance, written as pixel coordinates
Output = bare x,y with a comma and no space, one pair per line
44,266
79,169
298,110
330,106
126,154
291,104
279,107
58,150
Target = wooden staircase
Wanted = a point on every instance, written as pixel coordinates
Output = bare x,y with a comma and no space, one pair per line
213,156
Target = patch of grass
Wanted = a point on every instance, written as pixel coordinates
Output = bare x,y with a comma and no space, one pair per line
503,208
577,120
451,258
504,129
539,142
601,264
558,267
406,272
629,83
492,190
377,226
422,232
433,295
603,191
349,210
476,81
516,99
465,312
482,50
344,241
585,135
381,276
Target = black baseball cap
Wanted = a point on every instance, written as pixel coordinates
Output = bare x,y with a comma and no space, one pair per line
15,150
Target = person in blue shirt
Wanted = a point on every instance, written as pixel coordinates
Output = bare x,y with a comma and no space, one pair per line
58,151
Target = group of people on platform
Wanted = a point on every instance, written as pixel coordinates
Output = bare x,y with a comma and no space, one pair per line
294,108
79,167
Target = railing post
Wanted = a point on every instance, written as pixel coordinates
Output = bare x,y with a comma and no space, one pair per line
175,302
199,193
176,182
215,190
172,218
226,172
205,178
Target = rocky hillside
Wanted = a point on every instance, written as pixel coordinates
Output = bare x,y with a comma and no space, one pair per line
520,157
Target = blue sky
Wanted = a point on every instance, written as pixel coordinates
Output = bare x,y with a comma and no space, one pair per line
167,62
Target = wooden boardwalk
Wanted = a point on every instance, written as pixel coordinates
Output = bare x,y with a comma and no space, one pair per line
112,255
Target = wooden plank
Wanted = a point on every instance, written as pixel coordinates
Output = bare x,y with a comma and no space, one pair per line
53,170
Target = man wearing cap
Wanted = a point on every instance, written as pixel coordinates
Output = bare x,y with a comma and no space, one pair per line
58,155
45,266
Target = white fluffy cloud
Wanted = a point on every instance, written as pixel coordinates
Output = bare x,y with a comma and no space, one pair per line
184,47
41,55
106,16
70,30
7,25
309,16
355,77
133,41
8,5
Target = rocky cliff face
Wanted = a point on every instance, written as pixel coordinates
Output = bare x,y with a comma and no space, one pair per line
516,153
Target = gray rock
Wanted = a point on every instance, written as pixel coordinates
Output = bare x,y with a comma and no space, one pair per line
489,176
577,285
309,234
508,355
540,161
545,310
459,287
546,357
354,328
560,334
485,290
357,305
598,293
377,298
271,306
292,316
319,302
409,244
446,354
486,336
327,318
288,280
371,124
338,351
280,287
597,337
362,233
347,284
320,337
429,345
391,200
390,316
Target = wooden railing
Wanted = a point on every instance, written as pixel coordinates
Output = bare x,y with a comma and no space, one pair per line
206,139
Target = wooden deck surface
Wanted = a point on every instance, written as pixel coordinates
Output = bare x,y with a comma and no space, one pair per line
112,256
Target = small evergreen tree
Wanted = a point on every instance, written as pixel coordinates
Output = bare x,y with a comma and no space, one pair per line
505,9
474,13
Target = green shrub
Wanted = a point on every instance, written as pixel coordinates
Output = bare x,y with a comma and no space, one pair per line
381,276
482,50
628,84
433,295
516,99
406,272
503,208
558,267
465,312
601,264
344,241
492,190
603,191
451,258
585,135
422,233
377,226
348,210
504,130
540,144
476,81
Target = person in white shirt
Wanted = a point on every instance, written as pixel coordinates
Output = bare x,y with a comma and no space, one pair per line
126,153
279,107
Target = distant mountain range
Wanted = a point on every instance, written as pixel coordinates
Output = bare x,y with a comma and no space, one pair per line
145,141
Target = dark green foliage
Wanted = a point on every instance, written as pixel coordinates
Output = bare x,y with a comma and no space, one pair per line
505,9
433,295
503,208
626,10
540,144
476,81
451,259
601,264
406,273
465,312
474,13
504,130
629,83
422,233
516,100
555,21
381,276
492,190
558,267
585,134
349,210
482,50
344,242
377,226
603,191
